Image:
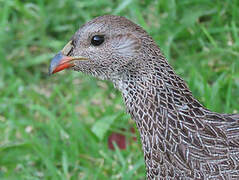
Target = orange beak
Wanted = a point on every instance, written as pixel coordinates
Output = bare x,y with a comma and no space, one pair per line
61,62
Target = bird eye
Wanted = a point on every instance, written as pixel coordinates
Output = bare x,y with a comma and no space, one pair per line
97,40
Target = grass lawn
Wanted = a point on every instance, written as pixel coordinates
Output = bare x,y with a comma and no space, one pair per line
57,127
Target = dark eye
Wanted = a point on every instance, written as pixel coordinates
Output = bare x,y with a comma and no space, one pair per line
97,40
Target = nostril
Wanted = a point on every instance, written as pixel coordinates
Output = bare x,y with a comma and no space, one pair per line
70,52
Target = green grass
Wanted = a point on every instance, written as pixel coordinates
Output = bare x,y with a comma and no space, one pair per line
48,125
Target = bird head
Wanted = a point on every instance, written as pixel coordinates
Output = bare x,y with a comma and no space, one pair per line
104,47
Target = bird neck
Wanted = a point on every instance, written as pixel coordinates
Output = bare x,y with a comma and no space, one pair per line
155,88
159,100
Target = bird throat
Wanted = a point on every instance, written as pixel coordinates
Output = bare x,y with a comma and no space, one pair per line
160,103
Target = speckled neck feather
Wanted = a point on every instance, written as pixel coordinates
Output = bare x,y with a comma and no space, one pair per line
181,139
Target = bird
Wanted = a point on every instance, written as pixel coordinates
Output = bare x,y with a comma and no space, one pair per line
181,139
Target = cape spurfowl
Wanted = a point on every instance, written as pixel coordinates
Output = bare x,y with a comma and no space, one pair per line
181,139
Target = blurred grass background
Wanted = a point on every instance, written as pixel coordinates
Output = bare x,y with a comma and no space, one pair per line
57,127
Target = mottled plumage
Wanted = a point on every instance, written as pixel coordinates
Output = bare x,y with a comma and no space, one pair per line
181,139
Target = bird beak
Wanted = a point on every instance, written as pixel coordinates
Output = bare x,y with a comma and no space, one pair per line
61,61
